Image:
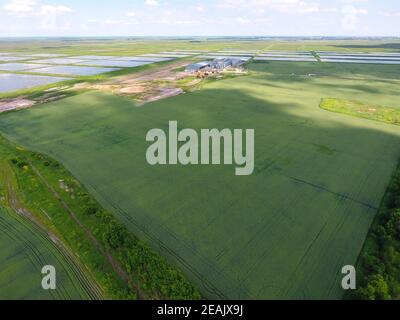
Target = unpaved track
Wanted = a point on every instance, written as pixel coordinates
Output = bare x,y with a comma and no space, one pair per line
18,207
154,84
96,292
114,263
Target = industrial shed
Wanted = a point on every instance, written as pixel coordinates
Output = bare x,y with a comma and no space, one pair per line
218,64
198,66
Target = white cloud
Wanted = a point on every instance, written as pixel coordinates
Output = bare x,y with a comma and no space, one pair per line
241,20
351,16
54,10
151,3
353,1
50,14
24,7
20,6
390,14
113,22
331,9
289,6
200,8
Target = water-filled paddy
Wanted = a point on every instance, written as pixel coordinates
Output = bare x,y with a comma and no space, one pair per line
305,59
163,55
94,57
20,66
116,63
75,70
348,57
362,61
62,61
5,59
12,82
46,55
149,59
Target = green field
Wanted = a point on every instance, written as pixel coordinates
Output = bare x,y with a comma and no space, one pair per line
131,46
284,232
24,251
362,110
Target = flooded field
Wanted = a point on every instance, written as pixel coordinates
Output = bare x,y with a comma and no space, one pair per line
216,56
116,63
6,59
12,82
357,54
362,61
295,59
62,61
164,55
75,70
285,55
20,66
93,57
235,54
150,59
46,55
348,57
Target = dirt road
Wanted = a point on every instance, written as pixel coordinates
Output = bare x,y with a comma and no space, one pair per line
114,263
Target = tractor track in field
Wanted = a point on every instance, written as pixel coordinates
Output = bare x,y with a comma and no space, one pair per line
337,194
16,205
116,266
95,290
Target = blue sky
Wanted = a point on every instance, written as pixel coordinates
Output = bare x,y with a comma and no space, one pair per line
199,17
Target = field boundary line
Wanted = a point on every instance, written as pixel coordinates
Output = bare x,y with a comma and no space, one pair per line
340,195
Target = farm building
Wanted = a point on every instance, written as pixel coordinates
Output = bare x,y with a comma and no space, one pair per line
218,64
228,62
198,66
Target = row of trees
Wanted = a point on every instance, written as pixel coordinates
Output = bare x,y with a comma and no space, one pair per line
148,269
380,260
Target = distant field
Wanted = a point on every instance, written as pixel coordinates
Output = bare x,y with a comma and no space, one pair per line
61,52
24,251
284,232
140,46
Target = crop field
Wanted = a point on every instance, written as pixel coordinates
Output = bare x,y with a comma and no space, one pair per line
284,232
24,250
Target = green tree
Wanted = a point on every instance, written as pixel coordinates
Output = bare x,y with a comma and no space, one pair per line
376,289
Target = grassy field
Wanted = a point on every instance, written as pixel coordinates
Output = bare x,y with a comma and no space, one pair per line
24,251
362,110
284,232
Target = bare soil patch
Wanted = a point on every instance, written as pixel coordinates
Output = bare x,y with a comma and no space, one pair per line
15,104
146,86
